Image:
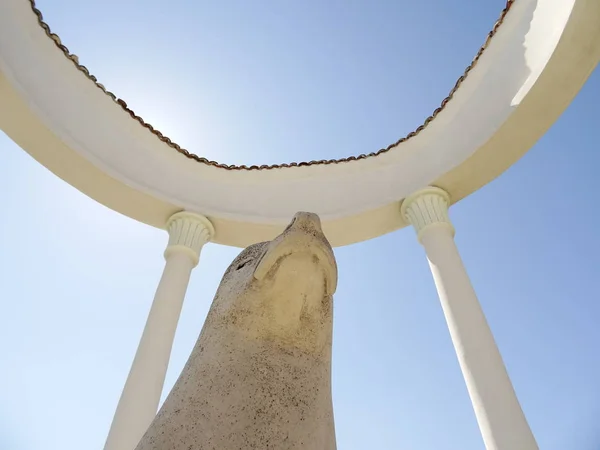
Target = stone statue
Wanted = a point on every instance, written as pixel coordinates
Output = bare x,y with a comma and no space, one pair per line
259,376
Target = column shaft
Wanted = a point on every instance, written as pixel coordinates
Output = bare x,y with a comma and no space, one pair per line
500,417
141,395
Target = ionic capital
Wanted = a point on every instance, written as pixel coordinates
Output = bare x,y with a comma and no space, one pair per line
188,232
426,209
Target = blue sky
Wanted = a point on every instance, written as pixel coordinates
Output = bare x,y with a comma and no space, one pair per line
307,80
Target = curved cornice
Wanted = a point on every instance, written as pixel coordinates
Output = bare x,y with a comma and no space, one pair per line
123,104
515,90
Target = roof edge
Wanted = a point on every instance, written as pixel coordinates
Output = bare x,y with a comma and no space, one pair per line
75,60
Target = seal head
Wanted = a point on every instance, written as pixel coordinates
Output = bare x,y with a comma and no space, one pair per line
282,289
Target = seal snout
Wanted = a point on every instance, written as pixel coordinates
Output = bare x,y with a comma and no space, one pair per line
306,221
302,236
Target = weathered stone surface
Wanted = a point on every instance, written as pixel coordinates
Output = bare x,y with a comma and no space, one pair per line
259,376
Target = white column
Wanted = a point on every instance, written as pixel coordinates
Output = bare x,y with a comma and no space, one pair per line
499,415
139,400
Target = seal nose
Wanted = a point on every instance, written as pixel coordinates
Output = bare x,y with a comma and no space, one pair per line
307,221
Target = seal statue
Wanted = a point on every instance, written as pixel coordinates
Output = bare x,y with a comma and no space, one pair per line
259,376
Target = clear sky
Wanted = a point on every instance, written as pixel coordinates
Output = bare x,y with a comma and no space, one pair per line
270,81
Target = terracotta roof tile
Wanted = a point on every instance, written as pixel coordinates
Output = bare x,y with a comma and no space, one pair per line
206,161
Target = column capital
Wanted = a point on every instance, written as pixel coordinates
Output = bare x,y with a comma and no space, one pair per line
188,232
426,209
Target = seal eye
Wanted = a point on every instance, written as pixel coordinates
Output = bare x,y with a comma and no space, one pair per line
242,264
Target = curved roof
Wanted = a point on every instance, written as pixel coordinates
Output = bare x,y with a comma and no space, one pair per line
520,81
123,104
